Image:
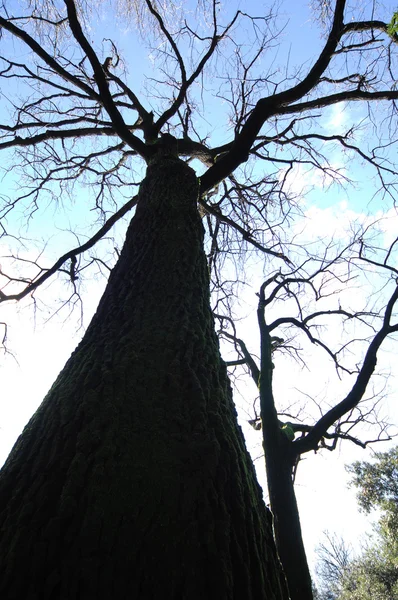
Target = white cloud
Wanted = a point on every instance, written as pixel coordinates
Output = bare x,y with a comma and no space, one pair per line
334,222
338,117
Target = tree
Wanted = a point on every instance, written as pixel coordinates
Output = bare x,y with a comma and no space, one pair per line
377,485
373,574
334,558
135,480
135,457
285,442
377,482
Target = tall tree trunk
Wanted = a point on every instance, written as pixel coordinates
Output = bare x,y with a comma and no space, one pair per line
132,481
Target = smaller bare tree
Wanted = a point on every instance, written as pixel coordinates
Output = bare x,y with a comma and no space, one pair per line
334,556
285,441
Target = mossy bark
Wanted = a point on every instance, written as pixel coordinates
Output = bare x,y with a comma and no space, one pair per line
132,481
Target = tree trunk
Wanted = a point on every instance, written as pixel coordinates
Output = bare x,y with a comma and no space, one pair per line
280,457
287,528
132,481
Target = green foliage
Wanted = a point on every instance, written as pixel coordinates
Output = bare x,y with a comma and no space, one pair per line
377,482
392,27
374,575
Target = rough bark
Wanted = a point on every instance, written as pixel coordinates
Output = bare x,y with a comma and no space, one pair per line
132,479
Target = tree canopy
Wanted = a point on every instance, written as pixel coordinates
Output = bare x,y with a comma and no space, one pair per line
373,573
86,117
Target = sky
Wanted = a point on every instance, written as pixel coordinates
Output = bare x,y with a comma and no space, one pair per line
40,342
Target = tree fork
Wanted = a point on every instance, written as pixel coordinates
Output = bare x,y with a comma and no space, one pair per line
132,479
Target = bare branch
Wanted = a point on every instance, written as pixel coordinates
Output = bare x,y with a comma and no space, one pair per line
103,89
71,255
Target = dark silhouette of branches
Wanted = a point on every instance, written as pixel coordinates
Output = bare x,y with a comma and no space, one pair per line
295,288
77,97
46,273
